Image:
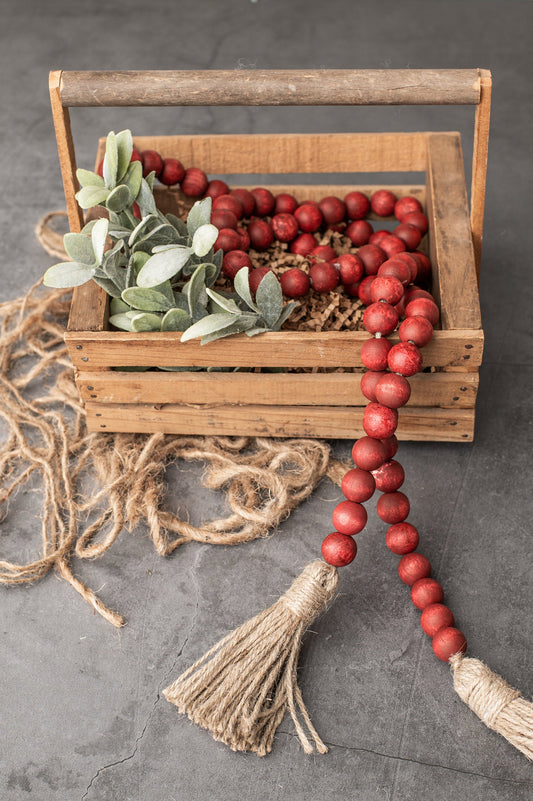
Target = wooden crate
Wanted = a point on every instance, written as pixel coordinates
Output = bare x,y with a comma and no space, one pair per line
442,404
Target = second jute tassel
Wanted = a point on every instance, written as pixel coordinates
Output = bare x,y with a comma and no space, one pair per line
242,687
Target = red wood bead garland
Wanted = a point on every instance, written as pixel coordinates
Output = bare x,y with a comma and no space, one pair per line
338,549
412,567
426,591
447,642
435,617
349,518
389,477
393,507
402,538
358,485
369,453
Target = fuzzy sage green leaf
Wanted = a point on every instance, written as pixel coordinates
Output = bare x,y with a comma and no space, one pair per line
146,321
119,198
88,178
146,299
199,215
162,266
98,238
124,146
90,196
110,168
68,273
269,298
79,248
204,238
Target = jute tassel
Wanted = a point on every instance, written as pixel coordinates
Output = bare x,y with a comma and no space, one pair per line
241,688
495,702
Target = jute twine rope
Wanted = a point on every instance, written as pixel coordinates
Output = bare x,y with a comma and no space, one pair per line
46,440
240,689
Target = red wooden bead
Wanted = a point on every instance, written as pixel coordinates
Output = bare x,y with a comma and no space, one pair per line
380,318
447,642
380,422
402,538
368,383
422,307
358,485
374,353
357,205
350,267
261,234
393,390
405,359
323,253
426,591
233,261
295,283
383,202
303,244
377,236
172,172
418,219
372,257
389,477
256,276
135,155
246,198
352,289
413,292
413,567
285,227
349,518
309,217
406,205
285,204
396,268
333,210
417,330
223,218
409,234
324,277
393,507
435,617
392,244
245,238
369,453
364,289
227,239
411,262
194,182
424,266
338,549
264,201
387,288
216,188
152,162
231,203
136,210
391,446
359,232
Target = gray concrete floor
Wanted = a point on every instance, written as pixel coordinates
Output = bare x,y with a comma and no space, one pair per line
82,716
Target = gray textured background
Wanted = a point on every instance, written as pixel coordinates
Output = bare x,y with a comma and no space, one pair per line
81,712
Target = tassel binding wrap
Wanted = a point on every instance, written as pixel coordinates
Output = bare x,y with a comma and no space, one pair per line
242,687
495,702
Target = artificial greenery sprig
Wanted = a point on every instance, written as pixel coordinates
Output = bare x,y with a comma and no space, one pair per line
159,271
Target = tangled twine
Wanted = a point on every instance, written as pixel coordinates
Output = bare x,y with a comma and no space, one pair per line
47,440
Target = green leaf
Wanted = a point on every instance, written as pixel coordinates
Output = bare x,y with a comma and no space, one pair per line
175,320
252,332
178,224
162,266
208,325
139,259
133,178
119,198
79,248
141,228
145,199
285,314
200,214
146,321
67,273
108,285
98,237
204,238
146,299
226,304
239,326
242,287
111,161
124,145
91,196
88,178
117,306
194,287
122,321
269,298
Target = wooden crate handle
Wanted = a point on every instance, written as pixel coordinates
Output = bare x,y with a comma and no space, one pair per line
273,88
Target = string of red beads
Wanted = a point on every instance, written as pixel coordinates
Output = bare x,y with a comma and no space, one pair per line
387,388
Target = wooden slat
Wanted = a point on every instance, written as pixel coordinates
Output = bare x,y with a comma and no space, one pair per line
455,390
269,87
335,422
449,233
294,153
276,349
479,165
